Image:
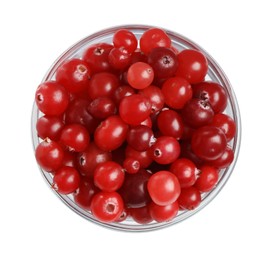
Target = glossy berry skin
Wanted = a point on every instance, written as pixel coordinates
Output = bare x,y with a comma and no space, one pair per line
49,155
155,96
190,198
111,133
102,84
165,150
131,165
74,75
163,213
193,65
170,123
51,98
187,152
107,206
143,157
77,113
141,215
197,113
121,92
140,137
134,190
75,137
97,57
177,91
86,191
69,159
213,93
140,75
109,176
163,61
152,38
90,158
102,107
119,58
207,179
163,187
126,39
49,127
225,160
226,124
134,109
185,170
208,142
66,180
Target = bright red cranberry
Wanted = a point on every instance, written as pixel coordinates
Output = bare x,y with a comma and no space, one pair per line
213,93
86,191
163,187
134,109
163,213
140,137
193,65
185,170
119,58
226,124
152,38
126,39
131,165
49,155
70,159
165,150
197,113
90,158
138,56
111,133
207,178
208,142
102,107
140,75
163,61
170,123
147,122
66,180
107,206
51,98
121,92
225,160
109,176
134,190
77,113
190,198
75,137
97,57
177,91
74,75
155,96
143,157
141,215
102,84
49,127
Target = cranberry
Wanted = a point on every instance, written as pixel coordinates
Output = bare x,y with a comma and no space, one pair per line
190,198
74,75
141,215
125,39
131,165
197,113
165,150
170,123
143,157
207,178
121,92
102,107
177,91
51,98
208,143
163,61
213,93
225,160
140,137
193,65
163,213
119,58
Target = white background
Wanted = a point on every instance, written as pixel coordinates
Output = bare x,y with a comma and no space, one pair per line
238,224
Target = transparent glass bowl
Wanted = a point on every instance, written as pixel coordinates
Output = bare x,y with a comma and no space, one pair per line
215,73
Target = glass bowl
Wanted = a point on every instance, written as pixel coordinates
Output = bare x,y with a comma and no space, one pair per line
215,73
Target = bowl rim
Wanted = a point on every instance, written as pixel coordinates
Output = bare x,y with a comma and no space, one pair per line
224,81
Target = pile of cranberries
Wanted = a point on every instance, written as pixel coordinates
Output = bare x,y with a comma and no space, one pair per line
133,130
